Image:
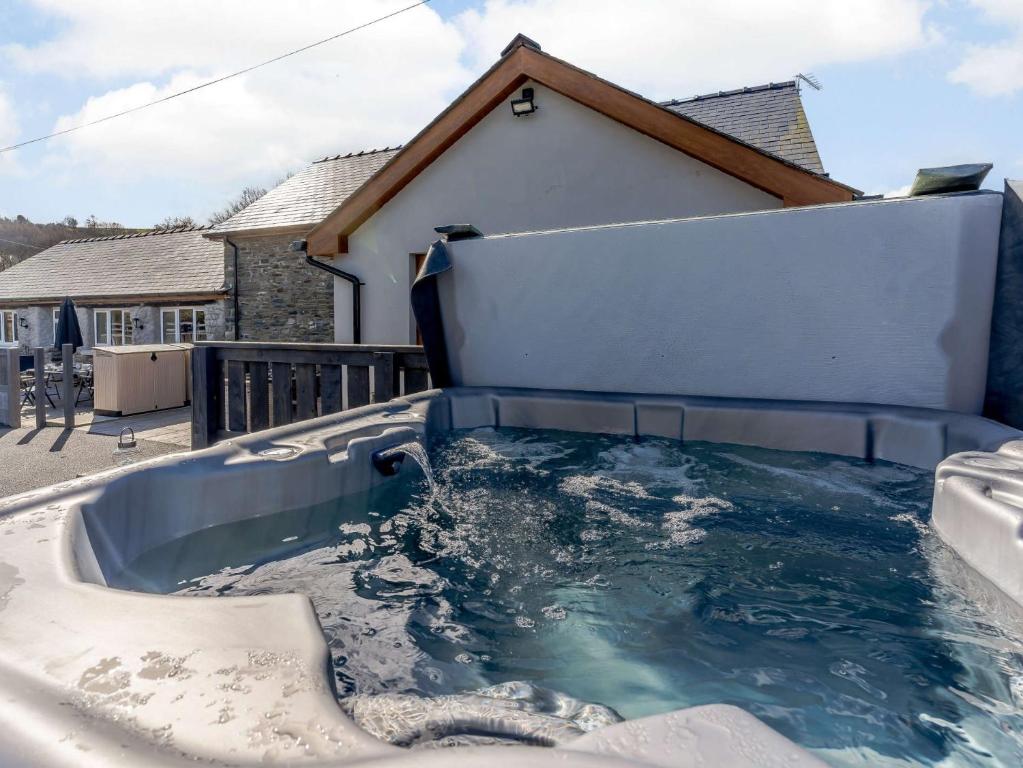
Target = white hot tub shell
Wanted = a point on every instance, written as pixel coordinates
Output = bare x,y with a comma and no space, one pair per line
91,675
780,320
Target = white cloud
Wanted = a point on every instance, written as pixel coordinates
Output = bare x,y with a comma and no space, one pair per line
675,48
381,85
378,86
117,38
8,132
8,119
995,69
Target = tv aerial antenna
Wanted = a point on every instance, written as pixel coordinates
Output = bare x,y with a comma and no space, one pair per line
810,79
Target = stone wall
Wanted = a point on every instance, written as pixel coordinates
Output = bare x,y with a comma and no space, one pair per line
40,327
280,297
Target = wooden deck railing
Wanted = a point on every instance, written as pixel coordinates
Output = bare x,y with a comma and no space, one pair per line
37,388
243,386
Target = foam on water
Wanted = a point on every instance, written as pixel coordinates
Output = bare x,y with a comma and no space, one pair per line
543,583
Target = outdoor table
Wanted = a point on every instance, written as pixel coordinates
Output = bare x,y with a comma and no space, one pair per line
52,375
28,388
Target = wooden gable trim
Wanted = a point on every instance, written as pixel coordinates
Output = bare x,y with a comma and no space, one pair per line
794,185
489,91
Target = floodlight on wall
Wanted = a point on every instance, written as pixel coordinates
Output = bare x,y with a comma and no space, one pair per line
136,324
23,322
525,105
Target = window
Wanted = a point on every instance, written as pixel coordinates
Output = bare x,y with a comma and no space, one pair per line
182,324
56,321
113,327
8,326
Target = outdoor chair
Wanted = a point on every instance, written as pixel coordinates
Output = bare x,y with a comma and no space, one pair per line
52,379
85,382
28,389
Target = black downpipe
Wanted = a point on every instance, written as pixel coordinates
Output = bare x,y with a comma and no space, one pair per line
299,246
234,289
425,298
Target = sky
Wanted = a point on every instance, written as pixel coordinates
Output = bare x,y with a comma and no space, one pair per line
907,84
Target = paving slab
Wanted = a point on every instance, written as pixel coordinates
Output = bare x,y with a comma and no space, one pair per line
31,458
172,426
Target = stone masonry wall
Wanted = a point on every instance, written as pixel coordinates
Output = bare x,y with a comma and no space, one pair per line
40,323
280,297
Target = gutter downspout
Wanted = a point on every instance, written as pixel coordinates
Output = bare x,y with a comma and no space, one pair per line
299,246
425,299
234,288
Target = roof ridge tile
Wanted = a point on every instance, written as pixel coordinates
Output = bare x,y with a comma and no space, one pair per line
733,92
144,233
360,153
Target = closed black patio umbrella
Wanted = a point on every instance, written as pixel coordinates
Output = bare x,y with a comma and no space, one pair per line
68,330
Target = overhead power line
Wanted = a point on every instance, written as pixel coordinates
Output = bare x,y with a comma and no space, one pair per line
15,242
208,83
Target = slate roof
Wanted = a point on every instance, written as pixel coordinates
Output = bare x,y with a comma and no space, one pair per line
164,262
770,117
306,198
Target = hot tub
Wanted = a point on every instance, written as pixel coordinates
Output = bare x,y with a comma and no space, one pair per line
97,667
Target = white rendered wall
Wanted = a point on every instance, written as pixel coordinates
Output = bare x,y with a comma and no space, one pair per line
564,166
877,302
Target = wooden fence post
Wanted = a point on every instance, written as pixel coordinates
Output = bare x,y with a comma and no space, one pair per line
206,386
13,381
40,387
67,359
384,376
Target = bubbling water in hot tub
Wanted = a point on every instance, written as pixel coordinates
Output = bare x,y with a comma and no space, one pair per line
529,586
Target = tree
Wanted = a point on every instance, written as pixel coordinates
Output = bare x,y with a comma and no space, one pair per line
173,222
21,238
8,260
248,196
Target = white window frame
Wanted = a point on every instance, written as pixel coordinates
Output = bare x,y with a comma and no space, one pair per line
11,316
56,322
177,324
107,316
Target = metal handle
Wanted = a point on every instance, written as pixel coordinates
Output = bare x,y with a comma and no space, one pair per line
122,443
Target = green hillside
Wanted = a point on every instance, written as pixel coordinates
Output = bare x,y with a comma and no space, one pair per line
20,238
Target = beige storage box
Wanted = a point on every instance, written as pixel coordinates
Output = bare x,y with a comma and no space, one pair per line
142,377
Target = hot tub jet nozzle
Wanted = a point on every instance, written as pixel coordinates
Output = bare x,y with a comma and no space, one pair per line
388,461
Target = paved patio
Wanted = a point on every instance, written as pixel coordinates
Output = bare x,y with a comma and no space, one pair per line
172,426
31,458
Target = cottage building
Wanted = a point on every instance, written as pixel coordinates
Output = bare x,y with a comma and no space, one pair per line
151,287
535,143
275,294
